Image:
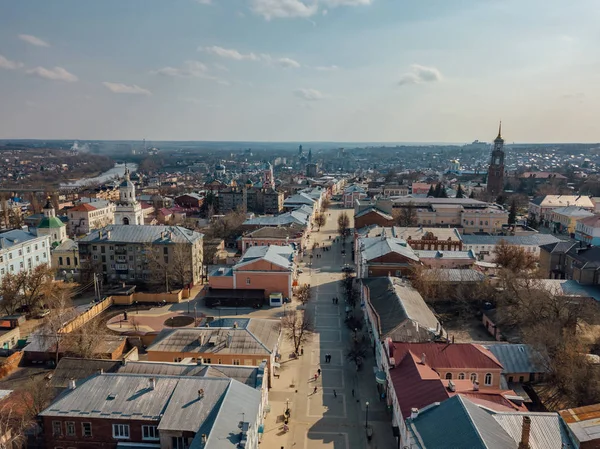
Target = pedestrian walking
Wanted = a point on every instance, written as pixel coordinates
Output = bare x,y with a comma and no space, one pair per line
316,375
334,394
319,371
301,351
333,300
315,390
353,392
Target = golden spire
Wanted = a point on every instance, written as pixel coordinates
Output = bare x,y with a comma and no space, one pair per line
499,131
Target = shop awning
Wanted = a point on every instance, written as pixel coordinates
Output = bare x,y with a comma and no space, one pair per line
380,377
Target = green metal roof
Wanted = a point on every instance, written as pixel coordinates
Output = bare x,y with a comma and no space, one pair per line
50,222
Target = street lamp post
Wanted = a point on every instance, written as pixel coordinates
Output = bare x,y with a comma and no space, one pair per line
367,416
195,316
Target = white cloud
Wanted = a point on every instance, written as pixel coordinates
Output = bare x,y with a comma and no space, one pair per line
309,94
8,64
326,68
420,74
276,9
33,40
190,69
229,53
288,63
55,74
221,67
120,88
204,2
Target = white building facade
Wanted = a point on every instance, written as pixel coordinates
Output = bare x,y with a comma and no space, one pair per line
21,250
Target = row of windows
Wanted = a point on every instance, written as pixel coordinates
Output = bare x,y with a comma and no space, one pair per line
11,268
20,251
473,377
119,431
207,361
60,260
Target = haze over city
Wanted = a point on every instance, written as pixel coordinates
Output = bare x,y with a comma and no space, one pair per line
299,70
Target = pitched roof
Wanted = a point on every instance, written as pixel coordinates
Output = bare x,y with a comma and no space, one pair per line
374,247
275,233
50,223
282,256
591,221
453,275
442,356
547,430
516,358
257,337
572,211
374,210
458,423
83,207
143,234
564,200
525,240
402,312
584,422
14,237
74,368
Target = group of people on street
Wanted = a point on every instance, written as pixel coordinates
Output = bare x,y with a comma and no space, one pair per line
335,300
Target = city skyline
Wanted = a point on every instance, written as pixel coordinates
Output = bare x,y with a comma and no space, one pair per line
298,70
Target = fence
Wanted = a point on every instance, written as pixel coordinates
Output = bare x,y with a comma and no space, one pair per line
86,316
127,300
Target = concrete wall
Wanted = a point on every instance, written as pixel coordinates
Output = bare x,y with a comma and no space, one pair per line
270,282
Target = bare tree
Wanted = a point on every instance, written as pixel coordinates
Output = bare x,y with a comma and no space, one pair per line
320,220
297,328
304,294
343,224
406,216
513,257
83,342
170,265
357,352
325,204
11,291
39,394
61,313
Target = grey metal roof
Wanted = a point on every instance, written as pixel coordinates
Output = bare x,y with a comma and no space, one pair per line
186,408
72,368
287,218
115,396
459,423
143,234
439,254
547,430
299,198
14,237
259,337
239,404
402,312
374,247
525,240
282,256
517,358
454,275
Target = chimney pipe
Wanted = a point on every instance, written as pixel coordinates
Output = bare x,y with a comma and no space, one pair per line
414,412
200,393
152,383
423,359
72,384
476,385
524,444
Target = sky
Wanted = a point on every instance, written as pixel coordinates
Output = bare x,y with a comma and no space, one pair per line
300,70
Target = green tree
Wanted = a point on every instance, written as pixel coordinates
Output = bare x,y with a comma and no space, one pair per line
431,192
460,193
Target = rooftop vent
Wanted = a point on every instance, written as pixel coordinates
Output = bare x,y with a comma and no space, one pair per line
200,393
72,384
152,383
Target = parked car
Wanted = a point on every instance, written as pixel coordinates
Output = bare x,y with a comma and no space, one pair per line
348,269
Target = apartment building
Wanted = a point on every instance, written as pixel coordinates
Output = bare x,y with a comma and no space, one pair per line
120,252
90,214
147,411
21,250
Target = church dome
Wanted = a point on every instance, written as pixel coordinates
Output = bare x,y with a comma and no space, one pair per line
220,167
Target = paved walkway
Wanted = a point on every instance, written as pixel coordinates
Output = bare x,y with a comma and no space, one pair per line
335,416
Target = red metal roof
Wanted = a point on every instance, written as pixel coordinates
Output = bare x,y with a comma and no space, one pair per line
441,356
416,385
83,207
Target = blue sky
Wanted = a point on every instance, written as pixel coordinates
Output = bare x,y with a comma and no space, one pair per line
300,70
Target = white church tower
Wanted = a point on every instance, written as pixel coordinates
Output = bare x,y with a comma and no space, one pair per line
128,210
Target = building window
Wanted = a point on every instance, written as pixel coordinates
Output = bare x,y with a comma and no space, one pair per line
35,247
20,252
235,362
10,256
449,376
247,281
37,258
120,431
473,377
218,361
521,379
60,260
56,428
488,379
177,359
95,257
28,249
179,443
461,376
149,433
207,361
94,248
70,428
103,249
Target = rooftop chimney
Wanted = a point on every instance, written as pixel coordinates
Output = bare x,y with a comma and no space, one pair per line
423,359
524,444
451,386
235,324
476,386
72,384
152,383
200,393
414,412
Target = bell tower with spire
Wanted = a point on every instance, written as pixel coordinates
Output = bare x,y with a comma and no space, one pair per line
495,178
